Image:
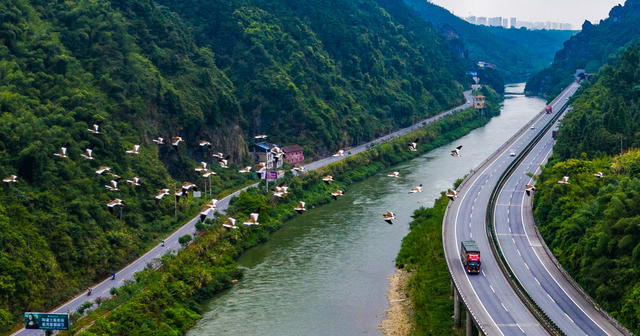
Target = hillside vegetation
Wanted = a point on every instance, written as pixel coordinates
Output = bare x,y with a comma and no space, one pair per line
592,225
593,47
303,73
518,53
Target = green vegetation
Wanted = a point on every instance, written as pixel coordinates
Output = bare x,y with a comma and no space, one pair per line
430,284
593,47
326,75
168,301
592,225
518,53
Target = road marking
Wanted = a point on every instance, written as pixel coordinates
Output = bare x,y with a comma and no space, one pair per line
537,281
527,266
519,327
513,240
520,254
570,319
493,290
554,301
503,306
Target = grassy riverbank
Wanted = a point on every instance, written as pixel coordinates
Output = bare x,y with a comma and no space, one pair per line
168,301
429,285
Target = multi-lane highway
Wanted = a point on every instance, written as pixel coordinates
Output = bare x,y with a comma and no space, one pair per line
563,301
171,242
495,307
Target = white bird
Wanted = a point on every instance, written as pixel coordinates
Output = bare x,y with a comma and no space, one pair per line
223,163
211,204
529,189
261,167
134,182
337,194
112,186
389,217
417,189
414,146
11,179
114,176
205,143
260,137
230,223
394,174
245,170
339,153
95,129
205,213
62,153
253,220
159,140
565,180
175,141
162,193
202,167
208,173
298,168
452,194
300,208
218,156
456,152
277,151
102,169
188,186
599,175
88,154
281,191
327,179
114,203
134,150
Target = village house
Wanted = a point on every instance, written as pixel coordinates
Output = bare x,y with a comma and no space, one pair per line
293,154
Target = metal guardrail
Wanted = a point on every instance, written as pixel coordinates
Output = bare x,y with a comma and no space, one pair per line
537,312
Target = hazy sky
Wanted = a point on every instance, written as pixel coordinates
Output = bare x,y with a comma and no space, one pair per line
569,11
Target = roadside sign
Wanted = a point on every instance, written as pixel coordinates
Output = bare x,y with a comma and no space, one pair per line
46,321
272,175
197,194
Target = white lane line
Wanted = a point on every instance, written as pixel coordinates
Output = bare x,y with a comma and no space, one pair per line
527,266
503,306
519,327
483,274
554,301
509,227
537,281
570,319
513,240
493,290
520,254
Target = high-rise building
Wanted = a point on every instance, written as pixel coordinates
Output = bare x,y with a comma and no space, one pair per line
505,23
514,22
481,21
495,21
471,19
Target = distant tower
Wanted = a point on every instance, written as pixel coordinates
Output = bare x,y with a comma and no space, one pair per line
505,23
514,22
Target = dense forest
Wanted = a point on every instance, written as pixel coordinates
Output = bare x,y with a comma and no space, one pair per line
593,47
592,224
518,53
220,71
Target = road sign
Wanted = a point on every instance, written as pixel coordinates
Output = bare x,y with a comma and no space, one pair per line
272,175
46,321
197,194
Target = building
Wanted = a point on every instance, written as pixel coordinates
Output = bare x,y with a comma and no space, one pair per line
293,154
479,101
514,22
495,21
505,23
482,21
262,153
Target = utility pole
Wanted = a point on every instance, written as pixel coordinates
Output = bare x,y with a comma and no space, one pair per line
621,137
175,201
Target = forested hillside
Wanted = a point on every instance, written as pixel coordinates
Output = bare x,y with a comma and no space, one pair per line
592,224
518,53
322,77
593,47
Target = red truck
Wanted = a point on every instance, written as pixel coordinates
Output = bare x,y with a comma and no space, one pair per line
549,109
470,254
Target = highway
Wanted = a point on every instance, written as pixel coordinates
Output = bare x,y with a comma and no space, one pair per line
489,297
531,261
151,258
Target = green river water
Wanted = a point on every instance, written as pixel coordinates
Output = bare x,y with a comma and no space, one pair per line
327,272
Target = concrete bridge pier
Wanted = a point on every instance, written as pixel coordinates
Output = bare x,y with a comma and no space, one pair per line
456,309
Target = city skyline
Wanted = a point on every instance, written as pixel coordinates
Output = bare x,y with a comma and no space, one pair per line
574,12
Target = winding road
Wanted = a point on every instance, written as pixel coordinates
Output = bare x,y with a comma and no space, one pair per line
151,258
489,297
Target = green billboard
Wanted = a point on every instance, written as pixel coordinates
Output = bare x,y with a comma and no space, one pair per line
46,321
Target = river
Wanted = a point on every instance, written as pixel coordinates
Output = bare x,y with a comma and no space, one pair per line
327,272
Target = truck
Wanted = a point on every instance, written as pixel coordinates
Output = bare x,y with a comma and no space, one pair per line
470,254
549,109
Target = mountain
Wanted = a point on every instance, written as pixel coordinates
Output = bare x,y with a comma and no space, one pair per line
518,53
592,225
594,46
323,75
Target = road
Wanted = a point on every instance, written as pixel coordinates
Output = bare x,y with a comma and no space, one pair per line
492,302
531,261
171,242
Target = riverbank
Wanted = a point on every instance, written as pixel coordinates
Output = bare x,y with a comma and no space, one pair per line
399,316
208,266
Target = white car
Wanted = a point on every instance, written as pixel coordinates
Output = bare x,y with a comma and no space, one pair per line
533,127
512,154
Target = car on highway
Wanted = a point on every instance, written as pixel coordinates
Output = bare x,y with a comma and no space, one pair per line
512,154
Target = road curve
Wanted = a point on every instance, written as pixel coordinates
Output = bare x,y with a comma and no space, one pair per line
530,260
103,288
495,307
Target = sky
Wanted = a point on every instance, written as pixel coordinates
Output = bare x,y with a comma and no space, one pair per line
566,11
